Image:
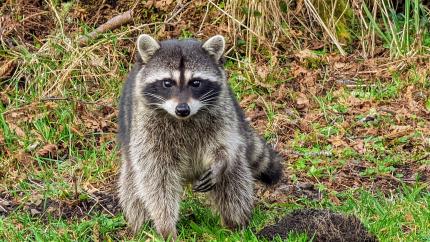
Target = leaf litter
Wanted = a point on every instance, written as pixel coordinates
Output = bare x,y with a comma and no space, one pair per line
293,99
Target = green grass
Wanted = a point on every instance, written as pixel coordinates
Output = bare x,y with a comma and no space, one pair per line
401,216
64,95
405,33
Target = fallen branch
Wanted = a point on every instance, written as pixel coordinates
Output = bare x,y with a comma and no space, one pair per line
111,24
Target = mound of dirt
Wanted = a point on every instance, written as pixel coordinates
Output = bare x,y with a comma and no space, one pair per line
321,225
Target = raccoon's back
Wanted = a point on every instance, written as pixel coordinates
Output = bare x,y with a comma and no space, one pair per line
126,104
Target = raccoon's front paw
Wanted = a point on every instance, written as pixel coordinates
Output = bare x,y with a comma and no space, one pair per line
205,183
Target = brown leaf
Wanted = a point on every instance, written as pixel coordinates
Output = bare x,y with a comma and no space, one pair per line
34,211
163,4
281,93
6,68
262,71
302,101
359,147
305,54
412,104
23,158
334,200
409,217
337,141
399,131
149,4
18,131
47,150
4,99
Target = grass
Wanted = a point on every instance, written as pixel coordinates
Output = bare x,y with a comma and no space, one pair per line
364,147
398,29
401,217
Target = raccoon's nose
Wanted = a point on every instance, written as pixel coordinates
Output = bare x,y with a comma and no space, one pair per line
182,110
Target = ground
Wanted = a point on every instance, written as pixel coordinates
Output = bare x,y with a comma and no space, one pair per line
354,130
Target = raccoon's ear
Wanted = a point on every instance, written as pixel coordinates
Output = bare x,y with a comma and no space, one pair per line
215,46
146,45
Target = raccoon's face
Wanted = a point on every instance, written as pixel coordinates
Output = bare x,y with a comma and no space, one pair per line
181,77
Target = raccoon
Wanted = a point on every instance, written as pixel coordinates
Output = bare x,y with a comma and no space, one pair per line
179,124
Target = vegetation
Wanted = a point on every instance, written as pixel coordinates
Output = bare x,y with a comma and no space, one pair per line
340,87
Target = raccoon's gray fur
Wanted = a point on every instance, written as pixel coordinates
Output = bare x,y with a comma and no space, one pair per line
180,123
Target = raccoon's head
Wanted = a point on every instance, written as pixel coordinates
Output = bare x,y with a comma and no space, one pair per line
181,77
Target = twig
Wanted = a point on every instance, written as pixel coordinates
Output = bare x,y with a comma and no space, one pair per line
97,202
423,158
177,12
46,99
111,24
310,154
235,20
204,18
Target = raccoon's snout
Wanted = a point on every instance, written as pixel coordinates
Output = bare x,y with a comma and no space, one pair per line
182,110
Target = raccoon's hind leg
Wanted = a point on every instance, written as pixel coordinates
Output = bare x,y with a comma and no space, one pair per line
133,207
233,196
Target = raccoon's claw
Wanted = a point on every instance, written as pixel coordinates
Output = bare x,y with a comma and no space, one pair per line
205,183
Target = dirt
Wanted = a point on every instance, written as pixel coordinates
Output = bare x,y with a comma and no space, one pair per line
7,203
83,206
321,225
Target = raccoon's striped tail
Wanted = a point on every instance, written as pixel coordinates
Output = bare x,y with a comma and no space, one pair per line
269,167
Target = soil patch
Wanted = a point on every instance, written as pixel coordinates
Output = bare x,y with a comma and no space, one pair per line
83,207
321,225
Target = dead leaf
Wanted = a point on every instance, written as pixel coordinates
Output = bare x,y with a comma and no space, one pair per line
305,54
409,217
334,199
163,4
281,93
412,104
359,147
34,211
302,101
97,61
4,99
6,69
262,71
246,101
23,158
339,65
47,150
399,131
337,141
149,4
18,131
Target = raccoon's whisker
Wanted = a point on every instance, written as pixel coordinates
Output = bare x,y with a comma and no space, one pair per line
204,95
154,95
208,99
210,105
155,106
213,95
208,95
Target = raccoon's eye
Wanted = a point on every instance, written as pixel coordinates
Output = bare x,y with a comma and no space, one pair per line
167,83
195,83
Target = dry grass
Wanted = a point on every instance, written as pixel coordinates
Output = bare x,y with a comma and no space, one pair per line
336,23
343,123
